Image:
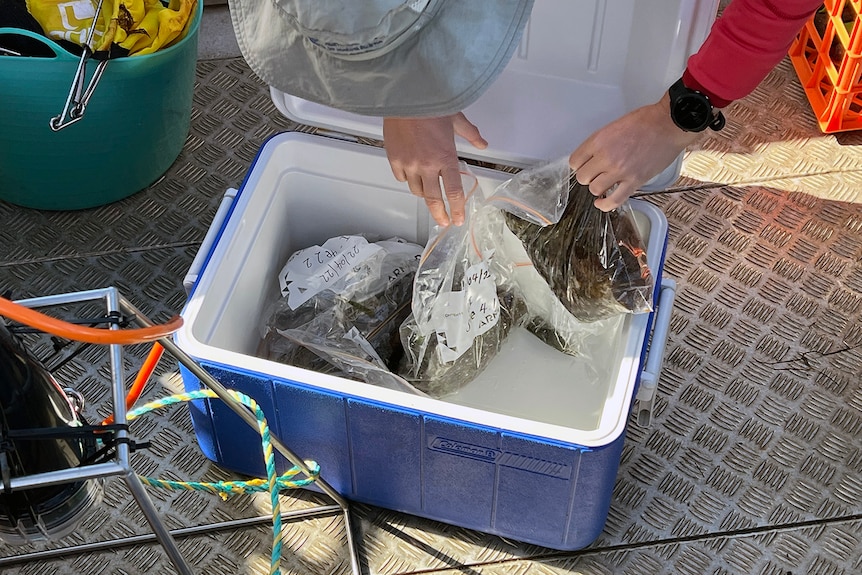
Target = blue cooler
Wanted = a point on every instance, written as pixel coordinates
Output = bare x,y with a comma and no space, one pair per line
530,449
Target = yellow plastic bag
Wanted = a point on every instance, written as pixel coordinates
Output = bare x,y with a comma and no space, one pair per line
139,26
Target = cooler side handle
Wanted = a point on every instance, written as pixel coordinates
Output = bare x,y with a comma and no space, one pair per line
645,400
209,239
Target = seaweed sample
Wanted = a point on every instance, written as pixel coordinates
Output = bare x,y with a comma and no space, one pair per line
359,319
594,261
423,368
376,317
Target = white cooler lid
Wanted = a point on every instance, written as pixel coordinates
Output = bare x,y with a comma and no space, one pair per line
579,66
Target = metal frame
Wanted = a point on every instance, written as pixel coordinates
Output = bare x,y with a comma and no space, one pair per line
121,467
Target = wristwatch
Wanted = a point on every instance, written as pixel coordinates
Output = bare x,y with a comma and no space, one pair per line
691,110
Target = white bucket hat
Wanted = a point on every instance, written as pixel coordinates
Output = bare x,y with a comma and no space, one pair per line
380,57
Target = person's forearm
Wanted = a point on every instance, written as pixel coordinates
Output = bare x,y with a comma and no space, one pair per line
749,39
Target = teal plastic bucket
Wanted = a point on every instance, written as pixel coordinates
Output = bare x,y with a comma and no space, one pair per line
132,130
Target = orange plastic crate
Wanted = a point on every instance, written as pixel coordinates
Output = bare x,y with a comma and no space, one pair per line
827,56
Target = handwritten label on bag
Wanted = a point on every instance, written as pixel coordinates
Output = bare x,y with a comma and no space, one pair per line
312,270
393,268
459,317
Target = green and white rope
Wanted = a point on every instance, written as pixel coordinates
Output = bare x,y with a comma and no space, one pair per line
272,483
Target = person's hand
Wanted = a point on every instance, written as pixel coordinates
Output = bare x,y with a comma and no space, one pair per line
421,152
619,158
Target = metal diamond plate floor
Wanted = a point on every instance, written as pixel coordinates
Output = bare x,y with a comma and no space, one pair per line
753,464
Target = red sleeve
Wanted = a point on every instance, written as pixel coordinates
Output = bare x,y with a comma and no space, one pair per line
746,42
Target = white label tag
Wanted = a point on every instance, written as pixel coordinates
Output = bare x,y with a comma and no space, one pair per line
482,302
399,246
450,322
393,268
459,317
312,270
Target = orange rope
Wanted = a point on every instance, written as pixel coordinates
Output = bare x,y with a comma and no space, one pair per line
144,374
68,330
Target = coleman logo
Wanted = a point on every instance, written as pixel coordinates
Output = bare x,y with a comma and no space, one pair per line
499,457
465,449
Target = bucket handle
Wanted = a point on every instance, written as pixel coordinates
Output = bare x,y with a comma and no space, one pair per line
79,96
59,52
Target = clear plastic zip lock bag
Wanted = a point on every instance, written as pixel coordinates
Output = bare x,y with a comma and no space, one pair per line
341,308
593,262
464,305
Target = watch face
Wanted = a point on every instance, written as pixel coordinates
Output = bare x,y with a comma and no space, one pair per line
692,112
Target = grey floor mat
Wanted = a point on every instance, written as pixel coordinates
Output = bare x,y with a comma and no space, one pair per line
752,465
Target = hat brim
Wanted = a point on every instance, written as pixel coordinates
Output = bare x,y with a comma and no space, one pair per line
441,70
